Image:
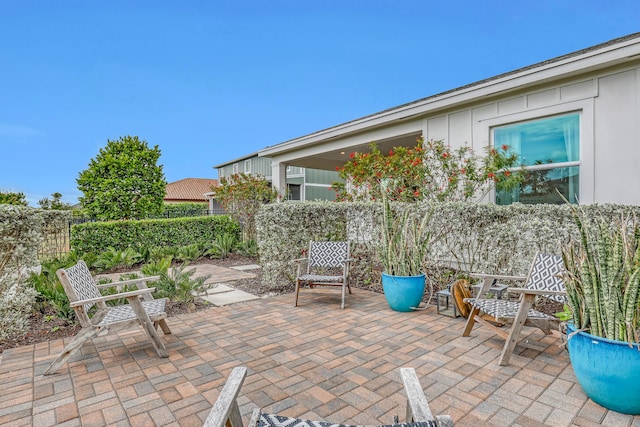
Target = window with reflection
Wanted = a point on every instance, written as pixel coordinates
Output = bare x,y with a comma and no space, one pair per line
549,151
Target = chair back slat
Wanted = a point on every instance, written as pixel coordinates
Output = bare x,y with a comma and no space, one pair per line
328,254
82,283
545,274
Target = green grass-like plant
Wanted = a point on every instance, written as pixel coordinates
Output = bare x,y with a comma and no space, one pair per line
603,276
404,247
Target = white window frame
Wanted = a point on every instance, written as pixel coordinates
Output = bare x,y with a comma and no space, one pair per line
247,166
236,169
221,173
584,108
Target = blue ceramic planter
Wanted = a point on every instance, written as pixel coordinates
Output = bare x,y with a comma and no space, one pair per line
607,370
403,292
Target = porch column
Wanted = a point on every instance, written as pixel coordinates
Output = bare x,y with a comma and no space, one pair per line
279,178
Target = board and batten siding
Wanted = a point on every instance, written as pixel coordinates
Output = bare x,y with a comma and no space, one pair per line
609,107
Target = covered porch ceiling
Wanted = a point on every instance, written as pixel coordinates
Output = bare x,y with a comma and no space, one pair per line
337,157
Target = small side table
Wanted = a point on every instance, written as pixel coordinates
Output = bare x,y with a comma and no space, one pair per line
443,305
497,289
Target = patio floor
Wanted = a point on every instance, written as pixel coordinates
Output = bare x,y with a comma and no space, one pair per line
314,361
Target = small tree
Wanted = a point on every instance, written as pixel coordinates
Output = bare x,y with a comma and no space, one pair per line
9,198
241,196
124,181
430,170
55,203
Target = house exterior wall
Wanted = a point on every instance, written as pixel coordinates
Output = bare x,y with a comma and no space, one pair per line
609,107
314,183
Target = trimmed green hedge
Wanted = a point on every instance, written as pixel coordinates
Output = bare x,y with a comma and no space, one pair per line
96,237
468,236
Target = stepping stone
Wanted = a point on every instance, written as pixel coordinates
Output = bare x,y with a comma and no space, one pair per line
231,297
219,288
246,267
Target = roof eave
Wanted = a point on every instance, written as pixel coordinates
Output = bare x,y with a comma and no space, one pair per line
569,65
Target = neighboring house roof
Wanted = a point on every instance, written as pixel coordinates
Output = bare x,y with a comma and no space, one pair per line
189,189
610,53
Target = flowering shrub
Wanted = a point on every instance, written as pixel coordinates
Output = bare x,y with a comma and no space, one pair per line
241,196
429,171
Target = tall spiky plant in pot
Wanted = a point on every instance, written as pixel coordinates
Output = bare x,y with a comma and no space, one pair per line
603,285
403,251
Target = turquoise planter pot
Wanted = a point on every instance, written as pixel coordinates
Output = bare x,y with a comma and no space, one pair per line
607,370
403,292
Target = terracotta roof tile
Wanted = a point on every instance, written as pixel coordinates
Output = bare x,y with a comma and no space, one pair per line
189,189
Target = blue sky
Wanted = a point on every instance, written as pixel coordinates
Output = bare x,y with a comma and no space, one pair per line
209,81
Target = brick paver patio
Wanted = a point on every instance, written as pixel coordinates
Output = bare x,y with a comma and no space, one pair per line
314,361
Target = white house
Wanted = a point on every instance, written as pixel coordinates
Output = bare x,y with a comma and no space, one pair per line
301,183
574,120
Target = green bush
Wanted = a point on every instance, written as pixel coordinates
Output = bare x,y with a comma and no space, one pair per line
19,239
222,246
149,233
182,210
467,236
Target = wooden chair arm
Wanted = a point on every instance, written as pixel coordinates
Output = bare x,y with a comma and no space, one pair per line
417,405
298,260
226,406
130,294
128,282
535,291
497,276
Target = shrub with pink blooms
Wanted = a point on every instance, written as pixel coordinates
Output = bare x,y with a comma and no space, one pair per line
431,170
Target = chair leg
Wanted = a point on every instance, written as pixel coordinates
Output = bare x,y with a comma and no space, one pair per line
344,293
147,325
295,303
164,326
470,322
516,328
83,336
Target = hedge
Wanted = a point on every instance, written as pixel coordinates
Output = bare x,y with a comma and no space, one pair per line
469,236
96,237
